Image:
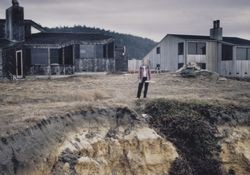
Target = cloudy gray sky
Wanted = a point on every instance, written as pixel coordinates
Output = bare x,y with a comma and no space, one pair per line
146,18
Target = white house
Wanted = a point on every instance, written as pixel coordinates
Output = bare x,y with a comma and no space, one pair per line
228,56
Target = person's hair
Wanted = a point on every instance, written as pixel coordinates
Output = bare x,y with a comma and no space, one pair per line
145,62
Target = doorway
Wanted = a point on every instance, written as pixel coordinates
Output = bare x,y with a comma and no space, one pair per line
19,64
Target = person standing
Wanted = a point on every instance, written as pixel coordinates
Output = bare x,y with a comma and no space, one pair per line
144,78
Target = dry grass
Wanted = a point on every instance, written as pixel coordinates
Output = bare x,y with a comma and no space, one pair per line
24,102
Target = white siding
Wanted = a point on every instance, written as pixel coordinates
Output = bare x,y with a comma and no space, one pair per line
168,58
133,65
243,68
196,59
237,68
227,68
181,59
212,58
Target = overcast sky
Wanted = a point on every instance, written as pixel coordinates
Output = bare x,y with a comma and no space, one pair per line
147,18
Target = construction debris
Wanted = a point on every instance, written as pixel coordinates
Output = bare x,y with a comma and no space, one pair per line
193,71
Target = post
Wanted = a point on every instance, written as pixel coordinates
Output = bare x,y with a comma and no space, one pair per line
63,59
73,61
49,62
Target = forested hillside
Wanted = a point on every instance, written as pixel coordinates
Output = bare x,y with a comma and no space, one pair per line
137,47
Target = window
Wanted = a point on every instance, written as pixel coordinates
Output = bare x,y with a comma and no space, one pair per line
195,48
180,65
202,65
87,51
99,51
227,52
54,56
180,48
39,56
201,48
248,53
68,55
111,50
77,51
158,50
191,48
241,53
104,51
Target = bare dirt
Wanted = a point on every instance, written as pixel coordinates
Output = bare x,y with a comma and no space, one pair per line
25,102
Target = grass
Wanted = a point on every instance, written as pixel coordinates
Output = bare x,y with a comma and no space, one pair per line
31,100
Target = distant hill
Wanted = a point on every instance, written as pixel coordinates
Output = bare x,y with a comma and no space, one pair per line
137,47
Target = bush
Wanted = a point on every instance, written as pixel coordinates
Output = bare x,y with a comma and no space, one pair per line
180,167
193,136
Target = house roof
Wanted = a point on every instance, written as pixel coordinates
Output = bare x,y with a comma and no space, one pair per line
62,38
195,37
236,41
34,24
230,40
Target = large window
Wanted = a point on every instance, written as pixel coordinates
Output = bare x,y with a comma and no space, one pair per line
68,55
158,50
105,51
180,48
87,51
201,48
227,52
196,48
192,48
99,51
54,56
243,53
111,50
39,56
248,53
77,51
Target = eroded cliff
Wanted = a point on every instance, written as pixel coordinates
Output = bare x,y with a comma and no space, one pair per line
210,139
90,141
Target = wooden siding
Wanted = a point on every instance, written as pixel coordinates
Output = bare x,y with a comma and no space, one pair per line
243,68
226,68
133,65
1,65
196,59
212,56
168,57
235,68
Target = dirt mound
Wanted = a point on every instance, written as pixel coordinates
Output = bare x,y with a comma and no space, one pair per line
194,71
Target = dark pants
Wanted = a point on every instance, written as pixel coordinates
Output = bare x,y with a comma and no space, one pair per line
141,86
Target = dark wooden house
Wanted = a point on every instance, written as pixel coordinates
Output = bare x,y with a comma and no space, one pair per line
24,53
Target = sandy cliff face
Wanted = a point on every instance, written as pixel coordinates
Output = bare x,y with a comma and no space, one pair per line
89,141
121,152
235,154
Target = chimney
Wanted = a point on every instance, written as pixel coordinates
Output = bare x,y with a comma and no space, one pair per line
14,28
216,31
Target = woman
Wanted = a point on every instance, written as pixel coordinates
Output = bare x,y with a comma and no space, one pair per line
144,78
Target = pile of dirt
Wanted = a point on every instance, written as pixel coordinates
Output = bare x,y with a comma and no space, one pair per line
193,128
194,71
